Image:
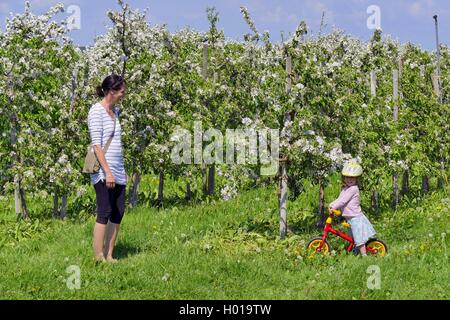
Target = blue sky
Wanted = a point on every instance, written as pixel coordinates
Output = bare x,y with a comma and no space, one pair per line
405,20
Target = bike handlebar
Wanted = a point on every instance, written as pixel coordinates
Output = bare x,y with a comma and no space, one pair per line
337,213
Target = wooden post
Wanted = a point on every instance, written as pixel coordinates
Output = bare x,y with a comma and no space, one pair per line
17,198
395,93
133,191
205,61
283,164
74,88
205,177
86,75
422,71
374,200
321,220
55,213
322,22
438,57
212,167
188,192
63,206
124,48
161,189
62,213
425,184
211,178
289,73
373,83
437,91
395,175
405,178
25,213
435,81
373,93
405,183
283,198
19,195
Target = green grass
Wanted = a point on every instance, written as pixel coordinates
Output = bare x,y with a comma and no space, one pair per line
227,250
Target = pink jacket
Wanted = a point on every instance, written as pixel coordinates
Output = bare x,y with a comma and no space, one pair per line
348,202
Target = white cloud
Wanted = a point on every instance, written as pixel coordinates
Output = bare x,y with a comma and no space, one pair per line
424,8
319,8
414,9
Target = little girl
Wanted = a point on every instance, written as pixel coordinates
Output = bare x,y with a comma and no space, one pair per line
349,203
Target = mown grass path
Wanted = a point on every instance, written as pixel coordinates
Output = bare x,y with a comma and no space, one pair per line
229,250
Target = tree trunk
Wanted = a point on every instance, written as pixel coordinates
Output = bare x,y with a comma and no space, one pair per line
25,213
124,48
375,200
19,193
440,182
395,77
188,192
405,182
161,189
211,179
63,213
283,167
395,190
321,211
133,191
205,76
55,204
425,185
74,88
204,180
283,198
17,198
17,190
373,83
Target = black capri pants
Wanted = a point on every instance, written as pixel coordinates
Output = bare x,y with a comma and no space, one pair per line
110,202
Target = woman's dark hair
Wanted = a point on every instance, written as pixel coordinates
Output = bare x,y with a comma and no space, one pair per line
111,82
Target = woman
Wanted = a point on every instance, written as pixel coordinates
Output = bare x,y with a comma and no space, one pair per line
110,182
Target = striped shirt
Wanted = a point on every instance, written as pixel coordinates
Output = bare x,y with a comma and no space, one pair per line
101,126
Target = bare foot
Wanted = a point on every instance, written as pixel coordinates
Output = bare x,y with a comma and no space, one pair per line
111,260
100,259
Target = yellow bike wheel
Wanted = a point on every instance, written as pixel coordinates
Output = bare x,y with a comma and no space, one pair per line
376,247
314,244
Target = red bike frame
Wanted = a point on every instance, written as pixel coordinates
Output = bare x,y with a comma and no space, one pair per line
346,237
342,235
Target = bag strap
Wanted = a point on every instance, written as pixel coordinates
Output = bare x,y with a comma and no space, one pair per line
110,138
